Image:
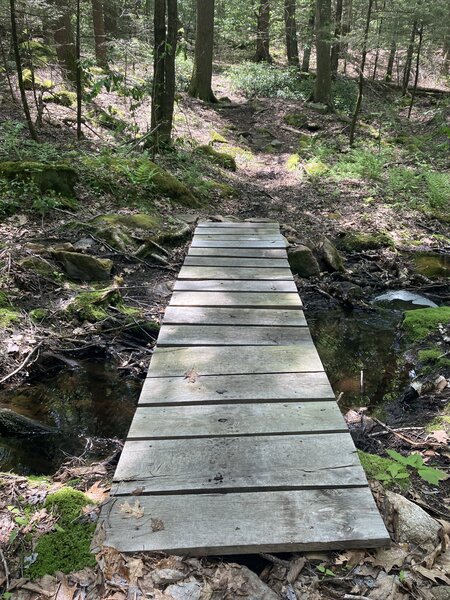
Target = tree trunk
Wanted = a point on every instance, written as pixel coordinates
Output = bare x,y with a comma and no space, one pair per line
65,43
15,424
377,53
290,24
346,28
262,33
79,72
308,44
200,86
98,20
23,96
111,18
6,68
322,90
163,96
391,59
416,77
336,49
361,74
408,62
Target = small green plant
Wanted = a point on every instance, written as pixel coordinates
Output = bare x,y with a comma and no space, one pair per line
362,164
325,572
415,461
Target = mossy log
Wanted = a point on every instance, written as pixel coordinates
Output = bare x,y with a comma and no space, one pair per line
58,177
13,424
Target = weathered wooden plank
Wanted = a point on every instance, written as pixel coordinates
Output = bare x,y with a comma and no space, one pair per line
235,273
240,238
233,224
179,315
238,231
216,261
236,285
199,243
229,360
237,299
221,524
171,422
232,335
220,389
239,464
239,252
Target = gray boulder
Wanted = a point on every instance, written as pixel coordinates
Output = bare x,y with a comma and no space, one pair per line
83,267
330,256
303,262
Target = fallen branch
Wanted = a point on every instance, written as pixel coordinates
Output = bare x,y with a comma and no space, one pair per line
23,364
406,439
131,256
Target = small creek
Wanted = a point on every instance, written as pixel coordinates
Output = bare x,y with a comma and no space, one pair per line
92,401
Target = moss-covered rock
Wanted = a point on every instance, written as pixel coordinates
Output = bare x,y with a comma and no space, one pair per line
39,266
354,241
83,267
92,306
295,120
62,97
39,83
58,177
419,324
218,158
142,221
167,185
8,316
303,262
68,548
330,256
38,314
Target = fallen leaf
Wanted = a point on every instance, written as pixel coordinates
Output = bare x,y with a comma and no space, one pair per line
157,525
441,436
133,511
136,569
388,558
191,375
435,575
97,493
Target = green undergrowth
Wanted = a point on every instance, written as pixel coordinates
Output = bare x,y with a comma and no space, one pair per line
419,324
68,548
376,467
96,305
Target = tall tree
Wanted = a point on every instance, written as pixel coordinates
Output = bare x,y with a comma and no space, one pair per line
290,25
416,76
98,20
347,16
409,57
23,96
307,46
65,41
336,48
163,93
377,52
79,83
200,86
361,73
262,32
392,53
322,89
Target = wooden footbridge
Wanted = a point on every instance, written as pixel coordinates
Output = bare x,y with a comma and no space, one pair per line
238,445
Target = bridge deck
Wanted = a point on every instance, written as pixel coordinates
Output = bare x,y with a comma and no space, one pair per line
237,444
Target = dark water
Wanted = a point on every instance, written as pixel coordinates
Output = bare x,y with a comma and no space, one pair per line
431,264
350,342
90,402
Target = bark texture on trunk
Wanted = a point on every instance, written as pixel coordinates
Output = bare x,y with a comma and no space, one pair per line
200,86
322,89
98,20
290,25
336,48
309,40
163,96
65,42
262,33
409,57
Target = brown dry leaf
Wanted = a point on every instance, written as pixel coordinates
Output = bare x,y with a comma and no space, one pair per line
97,493
135,511
136,569
65,592
441,436
388,558
351,557
295,569
111,563
157,525
435,574
191,375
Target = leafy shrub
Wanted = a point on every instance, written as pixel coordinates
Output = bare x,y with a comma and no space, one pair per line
183,72
362,164
438,189
402,180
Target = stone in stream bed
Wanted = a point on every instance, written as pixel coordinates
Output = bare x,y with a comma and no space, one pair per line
330,256
303,262
403,296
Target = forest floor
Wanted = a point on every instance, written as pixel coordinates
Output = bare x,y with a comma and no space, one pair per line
380,204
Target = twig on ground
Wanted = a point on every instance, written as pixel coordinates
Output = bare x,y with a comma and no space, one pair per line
131,256
23,364
413,443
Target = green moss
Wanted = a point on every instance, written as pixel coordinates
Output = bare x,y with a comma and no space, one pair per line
8,317
219,158
225,190
58,177
39,83
92,306
39,266
217,138
67,549
38,314
295,120
41,53
62,98
4,300
168,185
419,324
358,242
375,465
315,168
293,162
131,221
